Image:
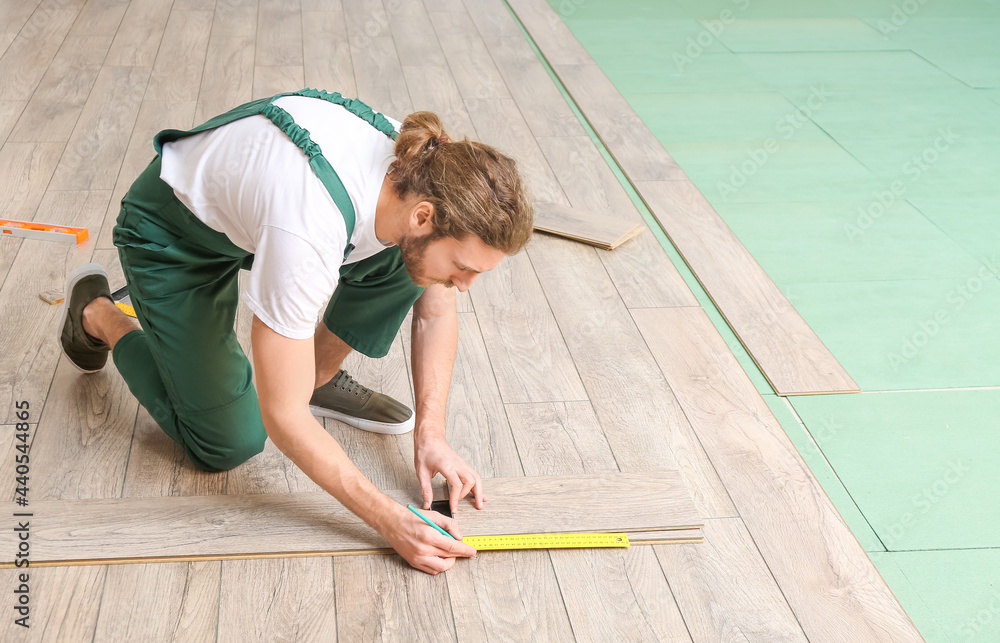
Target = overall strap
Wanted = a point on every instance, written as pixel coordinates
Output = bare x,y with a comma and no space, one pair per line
300,136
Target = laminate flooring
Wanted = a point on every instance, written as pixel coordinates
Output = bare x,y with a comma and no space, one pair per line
571,360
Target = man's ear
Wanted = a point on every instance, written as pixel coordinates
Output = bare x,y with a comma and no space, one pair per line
422,216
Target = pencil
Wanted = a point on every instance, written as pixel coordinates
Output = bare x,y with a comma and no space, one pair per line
428,521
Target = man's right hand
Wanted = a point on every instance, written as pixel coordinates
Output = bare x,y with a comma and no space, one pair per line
421,545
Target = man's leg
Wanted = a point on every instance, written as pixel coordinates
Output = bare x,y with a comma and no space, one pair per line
330,354
364,314
103,320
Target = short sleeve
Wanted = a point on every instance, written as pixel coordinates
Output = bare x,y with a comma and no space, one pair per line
290,283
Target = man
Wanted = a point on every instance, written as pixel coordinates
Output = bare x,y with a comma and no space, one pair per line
327,203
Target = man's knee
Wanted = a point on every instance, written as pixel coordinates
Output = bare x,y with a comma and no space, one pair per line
229,454
225,439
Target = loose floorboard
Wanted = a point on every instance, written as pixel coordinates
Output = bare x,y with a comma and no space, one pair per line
596,229
84,87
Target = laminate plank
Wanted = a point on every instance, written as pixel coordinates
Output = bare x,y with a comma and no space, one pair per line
646,429
93,155
471,63
477,424
432,88
627,137
609,595
235,18
153,116
28,349
25,171
160,602
789,353
181,59
412,31
26,58
561,437
279,34
327,51
643,275
601,230
725,590
543,106
379,76
379,598
492,18
528,355
830,584
10,111
285,599
268,81
55,106
561,46
444,5
13,16
84,433
377,67
93,528
508,596
139,34
499,123
99,18
64,603
228,77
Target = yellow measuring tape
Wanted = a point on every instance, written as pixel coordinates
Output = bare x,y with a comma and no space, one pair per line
125,308
547,541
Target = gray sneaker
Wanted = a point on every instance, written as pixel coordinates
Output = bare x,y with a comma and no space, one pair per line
344,399
84,285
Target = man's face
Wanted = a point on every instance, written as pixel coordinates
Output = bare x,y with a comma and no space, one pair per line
447,261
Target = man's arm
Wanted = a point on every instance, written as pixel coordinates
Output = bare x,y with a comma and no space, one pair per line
434,339
285,376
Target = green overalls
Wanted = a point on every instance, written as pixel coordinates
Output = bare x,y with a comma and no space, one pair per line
185,366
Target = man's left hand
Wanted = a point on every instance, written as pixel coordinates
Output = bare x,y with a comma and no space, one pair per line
433,455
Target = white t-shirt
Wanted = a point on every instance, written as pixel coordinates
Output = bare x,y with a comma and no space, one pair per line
248,180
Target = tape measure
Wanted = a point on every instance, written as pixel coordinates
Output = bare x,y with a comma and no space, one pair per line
547,541
125,308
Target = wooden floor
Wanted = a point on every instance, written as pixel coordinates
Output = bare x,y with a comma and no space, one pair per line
571,360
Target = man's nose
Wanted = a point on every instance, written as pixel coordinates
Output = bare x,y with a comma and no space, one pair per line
463,282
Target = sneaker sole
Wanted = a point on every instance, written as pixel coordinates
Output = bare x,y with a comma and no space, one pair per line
75,276
386,428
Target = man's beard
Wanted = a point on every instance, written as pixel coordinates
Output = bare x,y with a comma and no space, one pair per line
412,248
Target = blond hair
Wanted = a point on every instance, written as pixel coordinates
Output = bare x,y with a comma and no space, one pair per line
474,188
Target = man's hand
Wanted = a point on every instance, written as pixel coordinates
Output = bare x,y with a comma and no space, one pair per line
433,455
422,546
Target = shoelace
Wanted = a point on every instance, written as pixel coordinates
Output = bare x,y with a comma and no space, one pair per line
348,384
